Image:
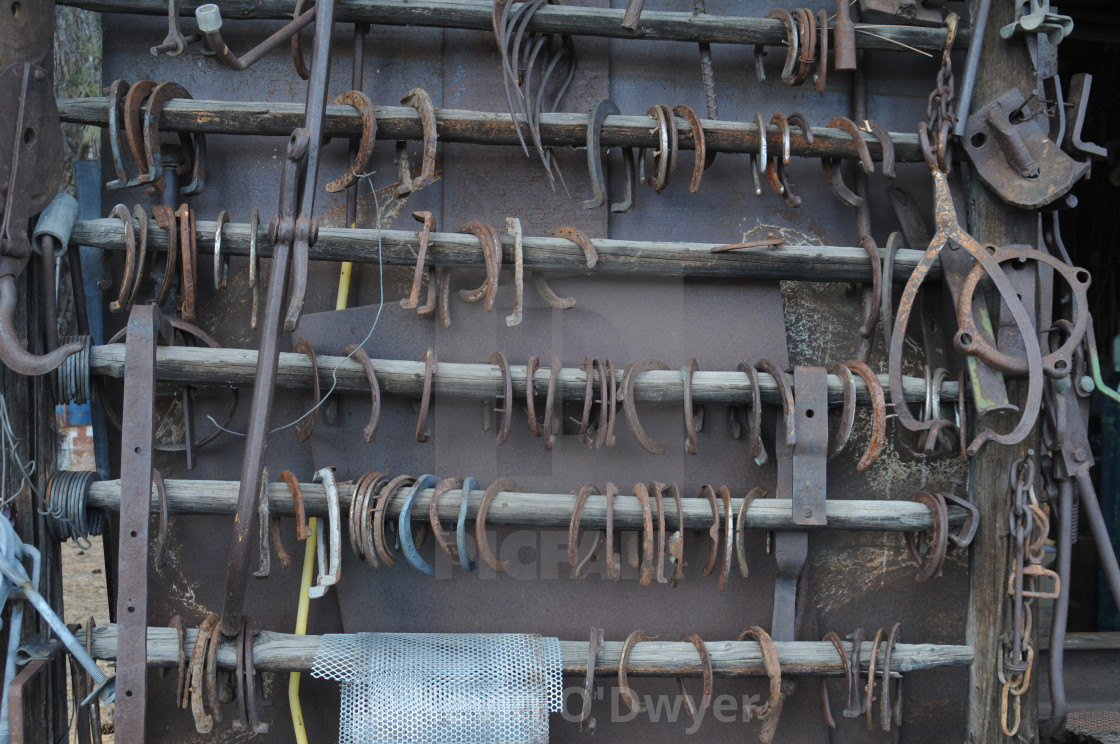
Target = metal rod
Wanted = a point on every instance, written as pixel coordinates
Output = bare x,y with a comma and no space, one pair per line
971,65
547,254
285,652
483,127
536,509
225,367
566,19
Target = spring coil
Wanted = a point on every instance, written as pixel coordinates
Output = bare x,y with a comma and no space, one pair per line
73,374
69,517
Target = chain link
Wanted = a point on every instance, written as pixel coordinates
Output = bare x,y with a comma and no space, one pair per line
941,113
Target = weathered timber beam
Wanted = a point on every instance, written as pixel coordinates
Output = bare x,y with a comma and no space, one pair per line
536,509
565,19
482,127
548,254
237,367
285,652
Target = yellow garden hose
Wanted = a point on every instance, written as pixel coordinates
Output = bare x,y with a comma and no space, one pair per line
301,628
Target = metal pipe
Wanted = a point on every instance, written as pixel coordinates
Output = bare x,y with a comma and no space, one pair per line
210,23
285,652
971,65
1056,658
1099,528
224,367
543,253
551,19
277,118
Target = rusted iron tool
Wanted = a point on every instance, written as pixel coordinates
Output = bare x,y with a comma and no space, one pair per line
209,19
292,233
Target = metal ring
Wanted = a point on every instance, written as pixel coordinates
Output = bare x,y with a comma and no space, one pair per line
210,676
499,359
590,254
887,144
713,531
699,162
488,290
189,256
480,524
630,410
134,134
848,413
728,534
807,44
759,161
624,691
117,90
773,670
404,524
431,364
878,413
387,493
705,670
835,178
307,423
929,561
370,493
579,567
676,546
357,504
786,395
356,352
469,484
871,311
445,485
741,529
614,568
141,216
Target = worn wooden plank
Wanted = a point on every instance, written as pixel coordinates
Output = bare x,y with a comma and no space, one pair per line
481,381
482,127
603,22
285,652
1002,66
535,509
548,254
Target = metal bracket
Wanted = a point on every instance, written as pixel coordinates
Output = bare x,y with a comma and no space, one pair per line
1015,158
810,454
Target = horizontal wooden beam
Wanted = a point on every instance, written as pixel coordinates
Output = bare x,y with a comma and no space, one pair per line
485,127
285,652
223,367
555,19
537,509
546,254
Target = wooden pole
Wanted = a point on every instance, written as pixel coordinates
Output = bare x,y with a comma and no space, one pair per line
567,19
225,367
482,127
534,509
1004,65
819,263
285,652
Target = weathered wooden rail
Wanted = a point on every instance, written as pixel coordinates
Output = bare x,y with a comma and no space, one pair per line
285,652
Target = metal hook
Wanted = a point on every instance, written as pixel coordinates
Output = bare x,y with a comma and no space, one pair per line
484,553
418,99
361,102
700,157
506,410
431,364
358,353
306,426
595,119
428,221
630,410
594,649
116,92
791,42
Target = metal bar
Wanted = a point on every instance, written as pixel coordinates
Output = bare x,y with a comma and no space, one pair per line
15,694
483,127
137,431
285,652
224,367
567,19
535,509
548,254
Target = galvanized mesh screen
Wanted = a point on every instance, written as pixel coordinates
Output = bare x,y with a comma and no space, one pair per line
426,688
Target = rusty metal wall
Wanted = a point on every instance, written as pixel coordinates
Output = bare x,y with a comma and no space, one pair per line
859,579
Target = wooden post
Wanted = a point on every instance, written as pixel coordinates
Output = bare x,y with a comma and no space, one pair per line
1004,64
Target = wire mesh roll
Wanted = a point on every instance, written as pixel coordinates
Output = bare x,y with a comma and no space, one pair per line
73,374
68,516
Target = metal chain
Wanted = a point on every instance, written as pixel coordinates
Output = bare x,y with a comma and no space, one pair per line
941,113
1029,524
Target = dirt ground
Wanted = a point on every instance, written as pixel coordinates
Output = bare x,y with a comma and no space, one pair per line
83,590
